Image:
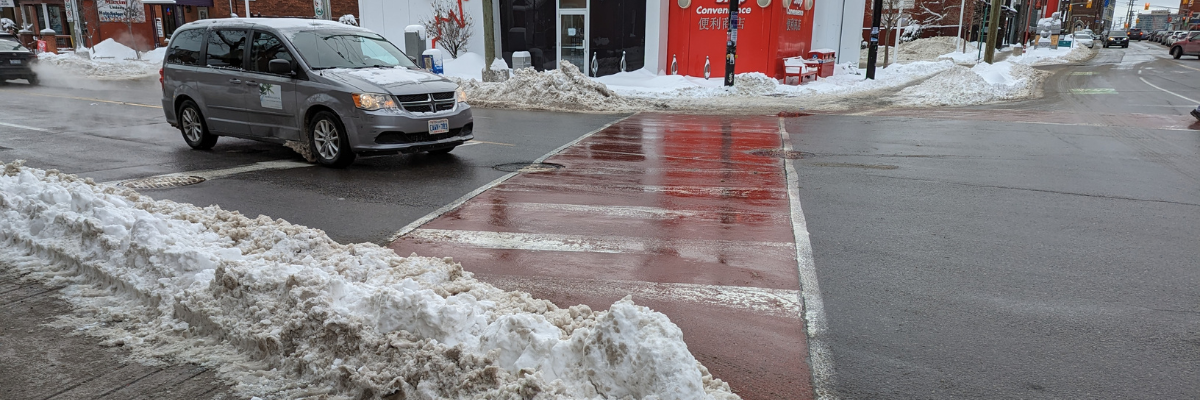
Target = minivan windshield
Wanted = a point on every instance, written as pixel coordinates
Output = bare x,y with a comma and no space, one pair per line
348,49
8,45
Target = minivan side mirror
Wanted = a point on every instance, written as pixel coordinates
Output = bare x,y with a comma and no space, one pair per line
280,67
414,60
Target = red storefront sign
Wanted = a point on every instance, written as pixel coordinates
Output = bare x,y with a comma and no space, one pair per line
768,32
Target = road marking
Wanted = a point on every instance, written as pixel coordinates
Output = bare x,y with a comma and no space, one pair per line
632,212
1083,73
1168,91
24,127
221,173
456,203
694,249
781,302
123,103
820,359
708,191
1094,91
485,142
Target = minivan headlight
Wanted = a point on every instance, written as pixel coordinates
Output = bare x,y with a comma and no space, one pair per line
462,95
374,101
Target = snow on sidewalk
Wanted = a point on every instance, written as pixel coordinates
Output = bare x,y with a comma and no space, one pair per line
284,312
107,60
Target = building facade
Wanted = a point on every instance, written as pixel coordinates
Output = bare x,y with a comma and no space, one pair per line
146,24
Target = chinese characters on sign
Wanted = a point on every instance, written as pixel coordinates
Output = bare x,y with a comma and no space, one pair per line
719,24
793,24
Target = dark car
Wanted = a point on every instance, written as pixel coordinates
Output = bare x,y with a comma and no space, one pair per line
16,62
1116,39
1136,34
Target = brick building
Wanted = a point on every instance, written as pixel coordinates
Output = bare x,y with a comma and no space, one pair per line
146,24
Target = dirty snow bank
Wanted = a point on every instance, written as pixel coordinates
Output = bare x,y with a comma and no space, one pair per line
284,312
983,83
108,60
562,89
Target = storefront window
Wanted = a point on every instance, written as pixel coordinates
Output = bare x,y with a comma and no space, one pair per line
56,19
618,28
530,25
572,4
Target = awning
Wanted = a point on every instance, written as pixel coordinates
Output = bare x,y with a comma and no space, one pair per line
195,3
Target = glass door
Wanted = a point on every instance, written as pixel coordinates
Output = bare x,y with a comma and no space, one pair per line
572,38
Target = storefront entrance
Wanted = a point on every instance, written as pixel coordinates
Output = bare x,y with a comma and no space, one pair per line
572,38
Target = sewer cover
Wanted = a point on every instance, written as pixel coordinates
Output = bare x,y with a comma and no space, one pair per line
780,153
162,182
528,167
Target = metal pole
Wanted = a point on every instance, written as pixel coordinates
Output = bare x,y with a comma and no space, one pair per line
247,9
961,9
873,48
731,43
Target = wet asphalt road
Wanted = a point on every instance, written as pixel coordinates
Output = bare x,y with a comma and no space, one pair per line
1015,258
1041,249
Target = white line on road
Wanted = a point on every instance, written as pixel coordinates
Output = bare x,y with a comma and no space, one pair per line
634,212
706,191
446,208
693,249
221,173
781,302
24,127
1168,91
820,359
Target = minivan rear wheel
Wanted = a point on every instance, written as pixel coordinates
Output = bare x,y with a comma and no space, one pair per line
327,138
195,131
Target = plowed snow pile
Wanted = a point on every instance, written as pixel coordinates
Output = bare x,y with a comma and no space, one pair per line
564,89
285,313
108,60
983,83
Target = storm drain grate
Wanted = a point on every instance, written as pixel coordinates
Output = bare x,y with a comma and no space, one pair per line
528,167
161,182
780,153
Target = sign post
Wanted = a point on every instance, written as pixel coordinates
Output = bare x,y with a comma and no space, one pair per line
731,43
873,47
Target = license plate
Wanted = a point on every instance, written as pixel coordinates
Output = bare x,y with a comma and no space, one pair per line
437,126
14,62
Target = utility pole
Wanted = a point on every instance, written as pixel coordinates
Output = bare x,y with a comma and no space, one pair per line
731,43
489,41
873,49
993,21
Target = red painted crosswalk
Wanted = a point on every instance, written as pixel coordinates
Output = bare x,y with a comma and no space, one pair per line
674,210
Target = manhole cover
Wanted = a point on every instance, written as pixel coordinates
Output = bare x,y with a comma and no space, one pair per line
780,153
162,182
528,167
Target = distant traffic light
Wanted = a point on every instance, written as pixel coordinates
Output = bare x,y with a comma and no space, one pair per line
1089,4
1147,6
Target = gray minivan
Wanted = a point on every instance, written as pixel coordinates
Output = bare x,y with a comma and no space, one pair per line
329,89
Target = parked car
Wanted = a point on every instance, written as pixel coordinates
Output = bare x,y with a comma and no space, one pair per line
1116,39
1188,46
16,62
1084,39
1135,34
1156,35
341,89
1175,37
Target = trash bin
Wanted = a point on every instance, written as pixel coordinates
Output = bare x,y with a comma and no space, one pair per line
824,60
521,59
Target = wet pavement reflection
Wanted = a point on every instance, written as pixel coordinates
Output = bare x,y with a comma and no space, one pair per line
671,209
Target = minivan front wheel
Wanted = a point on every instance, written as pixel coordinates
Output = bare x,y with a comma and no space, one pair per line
195,131
328,140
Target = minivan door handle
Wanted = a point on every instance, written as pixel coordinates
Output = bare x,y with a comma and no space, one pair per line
235,81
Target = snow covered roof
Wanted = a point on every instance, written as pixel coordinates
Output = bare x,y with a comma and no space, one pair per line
282,24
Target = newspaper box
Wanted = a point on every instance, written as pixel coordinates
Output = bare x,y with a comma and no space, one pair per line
825,61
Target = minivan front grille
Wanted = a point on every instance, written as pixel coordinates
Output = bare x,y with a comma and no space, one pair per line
414,137
427,103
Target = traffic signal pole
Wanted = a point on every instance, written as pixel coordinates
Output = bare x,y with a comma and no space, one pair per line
731,43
